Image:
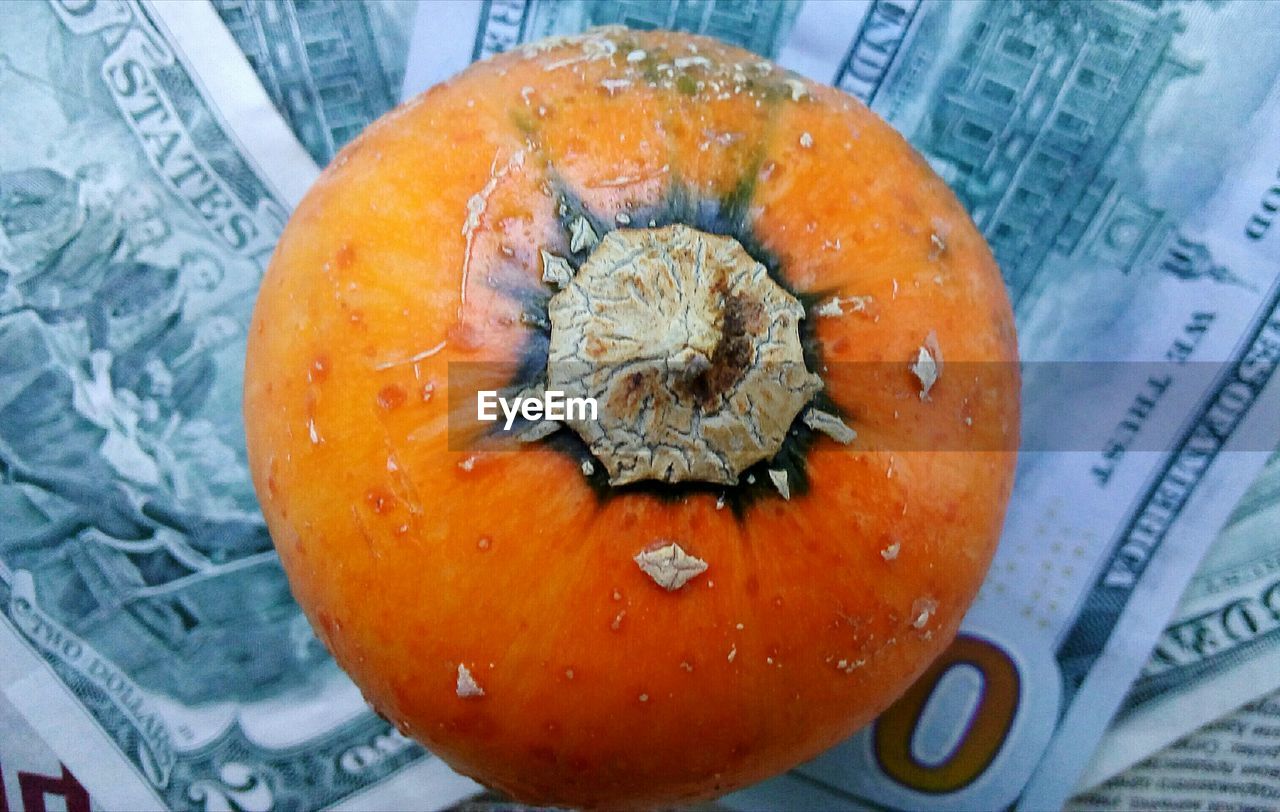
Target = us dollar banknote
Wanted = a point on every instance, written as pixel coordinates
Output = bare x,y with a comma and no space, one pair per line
1123,169
1233,763
330,66
148,634
1222,648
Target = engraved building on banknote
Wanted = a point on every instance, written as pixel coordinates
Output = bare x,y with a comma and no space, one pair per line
758,25
1063,85
327,78
1034,123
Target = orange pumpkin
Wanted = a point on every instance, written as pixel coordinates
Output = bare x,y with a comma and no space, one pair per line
768,533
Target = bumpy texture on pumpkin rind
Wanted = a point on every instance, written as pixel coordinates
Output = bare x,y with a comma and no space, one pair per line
600,687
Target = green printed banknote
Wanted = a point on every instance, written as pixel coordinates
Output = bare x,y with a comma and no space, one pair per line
148,632
330,67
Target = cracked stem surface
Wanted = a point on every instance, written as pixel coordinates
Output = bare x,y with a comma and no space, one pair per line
690,349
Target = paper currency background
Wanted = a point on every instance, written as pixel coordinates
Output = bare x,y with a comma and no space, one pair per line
144,177
1119,156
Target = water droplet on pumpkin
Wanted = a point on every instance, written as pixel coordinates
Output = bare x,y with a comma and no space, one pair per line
379,501
484,543
391,396
345,256
319,369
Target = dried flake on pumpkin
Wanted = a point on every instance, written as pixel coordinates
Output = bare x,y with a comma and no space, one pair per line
921,609
467,687
556,270
928,364
779,479
830,425
833,307
581,234
670,566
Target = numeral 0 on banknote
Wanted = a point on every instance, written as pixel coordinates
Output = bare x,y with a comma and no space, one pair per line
981,734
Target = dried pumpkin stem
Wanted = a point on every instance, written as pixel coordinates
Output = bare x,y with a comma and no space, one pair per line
691,350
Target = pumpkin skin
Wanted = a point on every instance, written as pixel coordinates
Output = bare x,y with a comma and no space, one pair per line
415,548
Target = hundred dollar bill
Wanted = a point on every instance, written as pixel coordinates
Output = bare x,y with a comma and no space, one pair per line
148,634
1232,764
330,66
1123,169
1222,648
